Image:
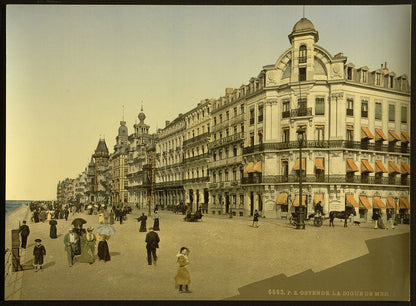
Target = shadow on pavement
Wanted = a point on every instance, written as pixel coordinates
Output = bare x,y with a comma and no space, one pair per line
114,254
381,275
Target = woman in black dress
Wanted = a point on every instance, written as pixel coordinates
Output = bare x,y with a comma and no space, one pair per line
143,219
53,231
103,251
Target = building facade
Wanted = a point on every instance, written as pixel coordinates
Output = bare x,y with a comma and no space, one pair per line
119,196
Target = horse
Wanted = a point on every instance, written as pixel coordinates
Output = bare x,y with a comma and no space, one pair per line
341,215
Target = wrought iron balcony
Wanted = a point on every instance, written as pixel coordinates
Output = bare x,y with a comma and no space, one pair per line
350,112
301,112
285,114
196,139
252,180
197,157
196,180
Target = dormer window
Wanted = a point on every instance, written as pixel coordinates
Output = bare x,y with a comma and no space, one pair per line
391,79
378,79
364,76
349,73
302,54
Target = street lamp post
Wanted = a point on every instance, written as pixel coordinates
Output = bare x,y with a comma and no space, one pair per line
396,210
301,138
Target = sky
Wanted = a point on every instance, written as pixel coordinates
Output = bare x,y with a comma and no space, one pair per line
71,70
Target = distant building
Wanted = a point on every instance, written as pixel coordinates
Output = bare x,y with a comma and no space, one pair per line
120,167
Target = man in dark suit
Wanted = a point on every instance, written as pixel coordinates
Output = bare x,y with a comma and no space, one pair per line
24,232
152,242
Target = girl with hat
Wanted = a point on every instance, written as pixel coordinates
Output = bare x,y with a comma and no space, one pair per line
38,252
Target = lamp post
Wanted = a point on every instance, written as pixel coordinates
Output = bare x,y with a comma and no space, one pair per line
301,138
396,210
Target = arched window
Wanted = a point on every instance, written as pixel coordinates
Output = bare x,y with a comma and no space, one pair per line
302,54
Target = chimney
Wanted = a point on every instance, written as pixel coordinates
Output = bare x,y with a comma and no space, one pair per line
167,123
228,91
385,70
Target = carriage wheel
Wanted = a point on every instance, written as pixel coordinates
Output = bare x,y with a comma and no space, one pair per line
292,221
317,222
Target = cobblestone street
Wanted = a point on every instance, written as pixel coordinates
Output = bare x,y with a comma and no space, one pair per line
226,254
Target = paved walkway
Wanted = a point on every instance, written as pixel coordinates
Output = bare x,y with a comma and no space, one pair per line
226,254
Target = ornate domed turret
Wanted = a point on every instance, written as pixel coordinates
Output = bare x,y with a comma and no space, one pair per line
122,130
141,116
303,27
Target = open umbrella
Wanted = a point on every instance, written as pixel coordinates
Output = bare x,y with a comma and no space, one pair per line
106,229
53,222
78,222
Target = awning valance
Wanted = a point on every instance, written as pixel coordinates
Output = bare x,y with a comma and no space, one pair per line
380,167
257,167
393,136
405,137
364,202
350,128
319,163
405,168
249,168
380,135
404,203
297,164
318,197
365,166
391,203
351,166
366,133
393,167
378,203
350,200
282,198
296,201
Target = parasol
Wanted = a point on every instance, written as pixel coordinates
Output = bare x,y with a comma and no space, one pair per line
89,206
78,222
106,229
53,222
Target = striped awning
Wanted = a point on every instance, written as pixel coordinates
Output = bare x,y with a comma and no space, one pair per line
257,167
318,197
282,198
378,203
350,200
393,167
393,136
296,201
351,166
405,168
380,135
249,168
366,133
365,166
364,202
405,137
391,203
380,167
319,163
404,203
297,164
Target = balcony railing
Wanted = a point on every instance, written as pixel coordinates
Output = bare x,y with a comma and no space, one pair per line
301,112
350,112
286,114
251,180
196,180
197,157
195,139
226,140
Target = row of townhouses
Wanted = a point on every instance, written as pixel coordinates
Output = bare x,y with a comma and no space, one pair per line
240,152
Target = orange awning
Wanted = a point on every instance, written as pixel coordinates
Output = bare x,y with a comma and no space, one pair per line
364,202
296,167
380,167
391,203
351,166
405,137
404,203
350,128
393,136
393,167
296,201
365,166
257,167
282,198
405,168
319,163
366,133
249,168
380,135
350,200
378,203
318,197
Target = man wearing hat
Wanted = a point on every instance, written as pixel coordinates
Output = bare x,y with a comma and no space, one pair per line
152,243
24,232
71,241
38,252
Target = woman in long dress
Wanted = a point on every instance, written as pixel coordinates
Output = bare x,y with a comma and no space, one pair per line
53,231
156,218
111,216
183,277
88,241
103,251
143,219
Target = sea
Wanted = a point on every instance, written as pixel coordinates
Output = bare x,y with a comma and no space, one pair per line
13,204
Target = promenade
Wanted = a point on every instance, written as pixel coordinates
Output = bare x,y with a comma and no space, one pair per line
226,254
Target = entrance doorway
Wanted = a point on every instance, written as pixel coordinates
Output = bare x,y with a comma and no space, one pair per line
227,203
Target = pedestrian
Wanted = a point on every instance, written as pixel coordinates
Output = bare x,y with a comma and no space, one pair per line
88,242
52,230
101,218
390,217
38,252
152,243
111,216
156,218
66,213
121,215
376,216
71,242
36,216
256,219
142,219
106,216
24,233
103,251
183,277
380,221
49,216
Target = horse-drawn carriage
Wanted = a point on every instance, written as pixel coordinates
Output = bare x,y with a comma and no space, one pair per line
193,217
317,218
